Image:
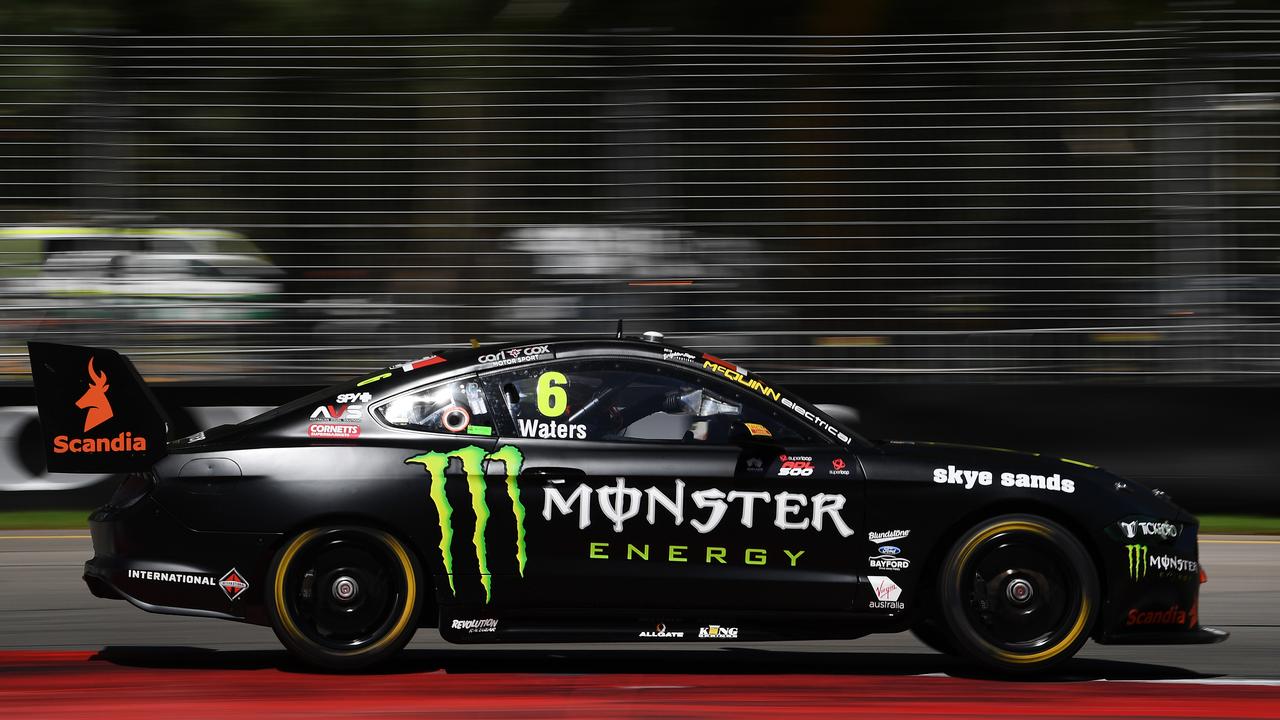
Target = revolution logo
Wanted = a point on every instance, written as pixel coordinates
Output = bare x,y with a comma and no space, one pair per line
473,459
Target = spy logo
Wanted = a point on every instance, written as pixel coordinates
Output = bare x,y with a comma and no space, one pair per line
1137,561
473,459
233,584
95,399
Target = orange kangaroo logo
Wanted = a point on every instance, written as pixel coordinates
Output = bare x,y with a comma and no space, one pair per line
95,399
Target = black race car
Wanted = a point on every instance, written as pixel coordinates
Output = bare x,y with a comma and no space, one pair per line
608,489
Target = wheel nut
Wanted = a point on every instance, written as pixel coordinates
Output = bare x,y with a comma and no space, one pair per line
345,589
1019,591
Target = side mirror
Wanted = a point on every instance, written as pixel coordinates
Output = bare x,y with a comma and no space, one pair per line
841,413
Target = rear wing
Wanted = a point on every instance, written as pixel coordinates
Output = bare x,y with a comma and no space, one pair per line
96,412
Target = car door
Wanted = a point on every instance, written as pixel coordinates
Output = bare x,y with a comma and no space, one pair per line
650,486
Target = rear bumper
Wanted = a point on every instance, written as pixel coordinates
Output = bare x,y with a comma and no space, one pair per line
144,555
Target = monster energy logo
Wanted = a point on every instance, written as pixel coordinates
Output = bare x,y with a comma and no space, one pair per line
1137,561
473,459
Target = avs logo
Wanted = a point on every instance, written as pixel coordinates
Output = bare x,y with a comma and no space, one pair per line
342,413
95,400
473,460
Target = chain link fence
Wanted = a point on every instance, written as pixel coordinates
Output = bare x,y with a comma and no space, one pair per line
1002,207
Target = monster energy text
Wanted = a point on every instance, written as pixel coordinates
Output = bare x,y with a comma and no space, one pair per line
473,459
1140,561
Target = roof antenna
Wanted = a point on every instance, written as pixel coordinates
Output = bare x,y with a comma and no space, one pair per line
619,328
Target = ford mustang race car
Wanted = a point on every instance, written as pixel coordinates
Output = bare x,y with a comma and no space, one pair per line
605,490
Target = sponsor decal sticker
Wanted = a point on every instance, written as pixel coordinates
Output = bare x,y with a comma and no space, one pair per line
969,479
718,631
473,460
95,400
740,376
479,625
374,379
758,430
1141,562
333,430
339,413
171,577
889,550
515,356
1173,615
685,554
887,535
233,584
796,466
619,503
661,632
420,363
1159,530
888,562
678,355
887,593
98,408
839,467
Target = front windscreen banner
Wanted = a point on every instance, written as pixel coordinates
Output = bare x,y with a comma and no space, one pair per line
97,414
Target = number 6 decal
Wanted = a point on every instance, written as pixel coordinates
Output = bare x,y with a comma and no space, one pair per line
552,398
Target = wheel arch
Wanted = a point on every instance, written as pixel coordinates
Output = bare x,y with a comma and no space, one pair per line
429,615
953,531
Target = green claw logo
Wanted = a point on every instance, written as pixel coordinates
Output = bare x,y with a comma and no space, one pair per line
473,459
1137,561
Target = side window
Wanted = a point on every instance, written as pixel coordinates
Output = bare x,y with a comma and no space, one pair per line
457,407
619,401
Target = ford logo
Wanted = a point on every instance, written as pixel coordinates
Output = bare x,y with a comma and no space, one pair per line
889,550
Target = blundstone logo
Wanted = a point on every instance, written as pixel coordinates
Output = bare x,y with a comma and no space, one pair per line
473,459
1137,561
95,399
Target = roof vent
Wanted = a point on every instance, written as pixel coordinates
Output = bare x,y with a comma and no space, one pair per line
651,336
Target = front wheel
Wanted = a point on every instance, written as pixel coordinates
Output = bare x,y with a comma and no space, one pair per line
344,597
1018,593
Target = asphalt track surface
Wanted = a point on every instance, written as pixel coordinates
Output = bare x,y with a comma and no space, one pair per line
66,654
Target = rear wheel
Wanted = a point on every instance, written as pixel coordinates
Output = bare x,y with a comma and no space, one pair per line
1018,593
344,597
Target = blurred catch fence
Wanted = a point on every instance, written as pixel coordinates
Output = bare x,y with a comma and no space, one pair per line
1003,207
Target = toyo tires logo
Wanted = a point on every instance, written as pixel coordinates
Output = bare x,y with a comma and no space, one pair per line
473,459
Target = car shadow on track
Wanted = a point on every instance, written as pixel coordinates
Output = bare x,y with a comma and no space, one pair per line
666,661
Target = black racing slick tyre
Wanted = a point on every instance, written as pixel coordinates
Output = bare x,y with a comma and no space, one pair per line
1018,594
344,597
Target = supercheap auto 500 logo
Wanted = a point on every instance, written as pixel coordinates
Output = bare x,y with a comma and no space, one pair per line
473,459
